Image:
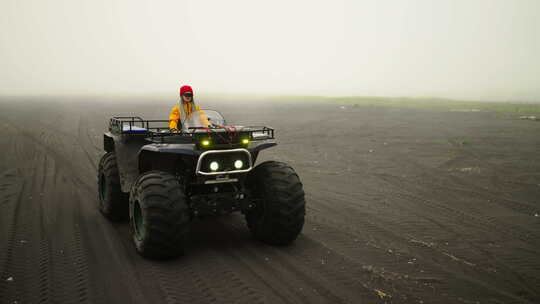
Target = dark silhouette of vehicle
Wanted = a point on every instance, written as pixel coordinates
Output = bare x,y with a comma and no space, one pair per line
162,180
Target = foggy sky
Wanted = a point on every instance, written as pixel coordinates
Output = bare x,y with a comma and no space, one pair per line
474,49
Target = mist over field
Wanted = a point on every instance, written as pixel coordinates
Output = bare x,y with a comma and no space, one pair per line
362,151
474,50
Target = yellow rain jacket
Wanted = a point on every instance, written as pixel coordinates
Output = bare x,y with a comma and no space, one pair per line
176,115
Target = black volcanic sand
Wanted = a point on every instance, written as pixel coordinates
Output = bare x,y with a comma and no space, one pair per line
403,206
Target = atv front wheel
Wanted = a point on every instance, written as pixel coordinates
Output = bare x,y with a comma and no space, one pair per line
159,215
113,203
278,217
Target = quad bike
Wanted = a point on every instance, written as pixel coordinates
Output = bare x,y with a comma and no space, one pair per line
163,179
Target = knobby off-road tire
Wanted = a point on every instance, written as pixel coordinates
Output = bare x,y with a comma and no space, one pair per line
113,203
159,215
279,216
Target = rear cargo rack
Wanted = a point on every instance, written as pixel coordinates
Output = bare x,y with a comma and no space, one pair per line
137,125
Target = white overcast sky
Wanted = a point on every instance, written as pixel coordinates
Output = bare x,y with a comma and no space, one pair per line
472,49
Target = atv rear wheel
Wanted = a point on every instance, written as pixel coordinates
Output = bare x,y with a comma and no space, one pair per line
113,203
278,217
159,215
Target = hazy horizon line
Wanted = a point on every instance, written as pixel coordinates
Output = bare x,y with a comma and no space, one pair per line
251,95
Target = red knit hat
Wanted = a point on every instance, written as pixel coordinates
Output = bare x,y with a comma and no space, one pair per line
184,89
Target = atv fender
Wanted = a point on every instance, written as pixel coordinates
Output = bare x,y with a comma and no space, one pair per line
108,142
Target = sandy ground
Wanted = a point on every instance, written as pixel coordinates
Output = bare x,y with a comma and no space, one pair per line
404,206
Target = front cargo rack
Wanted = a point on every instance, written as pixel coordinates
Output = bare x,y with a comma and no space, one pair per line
157,131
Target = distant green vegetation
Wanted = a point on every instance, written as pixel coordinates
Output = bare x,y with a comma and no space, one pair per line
424,103
443,104
460,141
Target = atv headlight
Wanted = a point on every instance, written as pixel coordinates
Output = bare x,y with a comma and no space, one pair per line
214,166
205,142
238,164
245,141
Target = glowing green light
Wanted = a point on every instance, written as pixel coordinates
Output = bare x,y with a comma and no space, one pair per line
245,141
205,142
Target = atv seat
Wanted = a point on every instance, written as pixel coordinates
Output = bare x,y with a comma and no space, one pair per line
133,129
